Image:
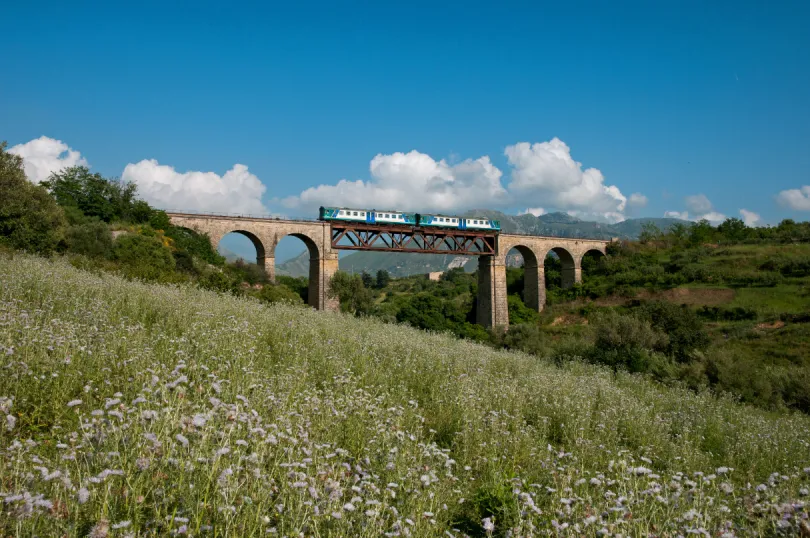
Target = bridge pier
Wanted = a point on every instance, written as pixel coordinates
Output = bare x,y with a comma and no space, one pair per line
492,308
534,284
268,263
571,273
321,271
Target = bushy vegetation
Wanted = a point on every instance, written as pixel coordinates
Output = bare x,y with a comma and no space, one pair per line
78,213
30,219
163,409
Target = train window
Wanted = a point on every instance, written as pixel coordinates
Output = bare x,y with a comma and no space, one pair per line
355,214
387,215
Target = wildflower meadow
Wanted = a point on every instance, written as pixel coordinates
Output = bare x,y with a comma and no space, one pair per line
133,409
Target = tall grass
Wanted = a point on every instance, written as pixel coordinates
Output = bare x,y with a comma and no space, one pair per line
134,409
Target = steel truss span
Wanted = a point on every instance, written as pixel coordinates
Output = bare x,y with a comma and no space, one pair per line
352,236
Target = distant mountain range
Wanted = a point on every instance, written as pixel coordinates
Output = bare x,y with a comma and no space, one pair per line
551,224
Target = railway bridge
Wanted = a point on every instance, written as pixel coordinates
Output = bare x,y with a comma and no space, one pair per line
325,239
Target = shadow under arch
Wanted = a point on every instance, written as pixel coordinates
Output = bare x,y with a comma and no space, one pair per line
533,289
568,266
589,261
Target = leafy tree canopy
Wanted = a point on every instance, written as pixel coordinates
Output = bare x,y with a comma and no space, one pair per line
30,219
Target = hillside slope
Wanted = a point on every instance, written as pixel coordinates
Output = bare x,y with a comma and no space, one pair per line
171,409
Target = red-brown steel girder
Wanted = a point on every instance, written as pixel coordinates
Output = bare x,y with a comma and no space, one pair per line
350,236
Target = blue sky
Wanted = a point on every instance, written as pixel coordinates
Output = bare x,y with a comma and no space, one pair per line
667,100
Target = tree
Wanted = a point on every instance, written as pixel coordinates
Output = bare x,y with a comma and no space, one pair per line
97,196
733,229
383,278
30,219
368,280
354,297
701,232
649,232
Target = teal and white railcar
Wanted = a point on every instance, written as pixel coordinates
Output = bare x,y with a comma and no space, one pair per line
374,216
369,216
461,223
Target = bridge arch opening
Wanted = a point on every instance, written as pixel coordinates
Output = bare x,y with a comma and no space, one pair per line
242,245
297,261
245,254
591,262
560,269
523,274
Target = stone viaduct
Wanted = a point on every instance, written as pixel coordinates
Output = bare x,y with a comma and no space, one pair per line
265,233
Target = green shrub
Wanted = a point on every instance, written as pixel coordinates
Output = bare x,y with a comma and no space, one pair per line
299,285
159,220
184,261
143,257
354,297
92,239
278,293
519,312
217,280
196,244
720,313
251,273
525,337
625,341
682,326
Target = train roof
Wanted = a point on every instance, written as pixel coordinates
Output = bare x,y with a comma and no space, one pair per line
408,212
371,209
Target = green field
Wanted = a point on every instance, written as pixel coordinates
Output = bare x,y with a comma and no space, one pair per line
138,409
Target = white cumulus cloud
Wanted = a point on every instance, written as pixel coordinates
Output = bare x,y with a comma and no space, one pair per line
412,181
43,156
712,216
683,215
536,211
543,175
698,203
701,208
637,200
546,173
796,199
236,191
750,218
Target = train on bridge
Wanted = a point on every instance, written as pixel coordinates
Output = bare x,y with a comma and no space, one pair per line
417,220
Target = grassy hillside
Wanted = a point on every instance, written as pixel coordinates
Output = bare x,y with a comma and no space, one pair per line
135,408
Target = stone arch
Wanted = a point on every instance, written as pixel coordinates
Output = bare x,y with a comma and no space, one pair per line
592,253
569,266
534,293
257,244
322,265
